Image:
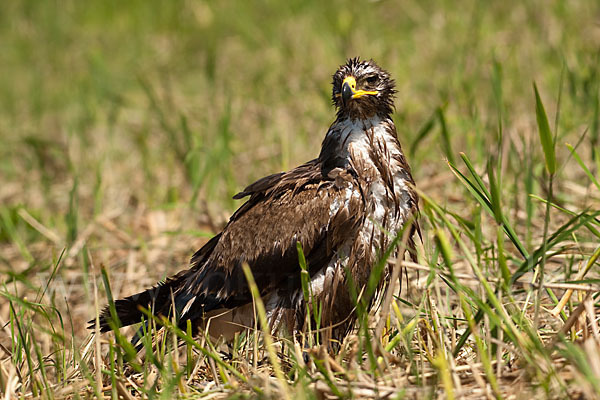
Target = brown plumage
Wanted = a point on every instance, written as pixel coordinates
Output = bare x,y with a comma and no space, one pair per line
343,207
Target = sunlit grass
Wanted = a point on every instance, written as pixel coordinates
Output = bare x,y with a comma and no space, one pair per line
127,127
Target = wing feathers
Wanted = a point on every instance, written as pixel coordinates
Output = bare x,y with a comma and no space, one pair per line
283,209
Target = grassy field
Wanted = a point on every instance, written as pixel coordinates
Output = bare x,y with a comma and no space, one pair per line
126,127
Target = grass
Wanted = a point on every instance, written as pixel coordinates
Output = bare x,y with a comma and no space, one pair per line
127,127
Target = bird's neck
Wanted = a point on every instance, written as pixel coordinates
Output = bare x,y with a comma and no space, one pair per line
359,123
347,137
383,111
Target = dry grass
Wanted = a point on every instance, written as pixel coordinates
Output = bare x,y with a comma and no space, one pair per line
126,129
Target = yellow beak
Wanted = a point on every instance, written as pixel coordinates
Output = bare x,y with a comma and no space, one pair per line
349,90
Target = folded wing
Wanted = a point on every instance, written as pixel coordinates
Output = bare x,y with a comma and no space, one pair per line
283,209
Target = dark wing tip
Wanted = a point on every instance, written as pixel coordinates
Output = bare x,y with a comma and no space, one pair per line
103,321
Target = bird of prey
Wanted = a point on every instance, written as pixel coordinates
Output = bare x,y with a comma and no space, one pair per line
344,208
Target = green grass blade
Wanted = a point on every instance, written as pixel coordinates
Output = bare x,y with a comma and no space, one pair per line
447,143
494,193
477,188
266,328
423,133
562,233
583,166
546,137
589,225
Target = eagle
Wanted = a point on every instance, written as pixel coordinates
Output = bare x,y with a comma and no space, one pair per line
343,209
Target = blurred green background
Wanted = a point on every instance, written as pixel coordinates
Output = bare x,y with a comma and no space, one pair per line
106,104
127,126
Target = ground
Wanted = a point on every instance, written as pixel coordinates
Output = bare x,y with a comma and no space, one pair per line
126,128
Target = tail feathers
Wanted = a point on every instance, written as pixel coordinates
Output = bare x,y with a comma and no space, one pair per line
129,309
159,301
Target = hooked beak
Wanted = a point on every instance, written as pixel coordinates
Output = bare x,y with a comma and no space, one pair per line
349,90
346,92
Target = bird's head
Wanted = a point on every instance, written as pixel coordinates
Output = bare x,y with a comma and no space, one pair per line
361,89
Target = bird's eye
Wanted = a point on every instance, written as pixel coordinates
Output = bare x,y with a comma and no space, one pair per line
372,79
